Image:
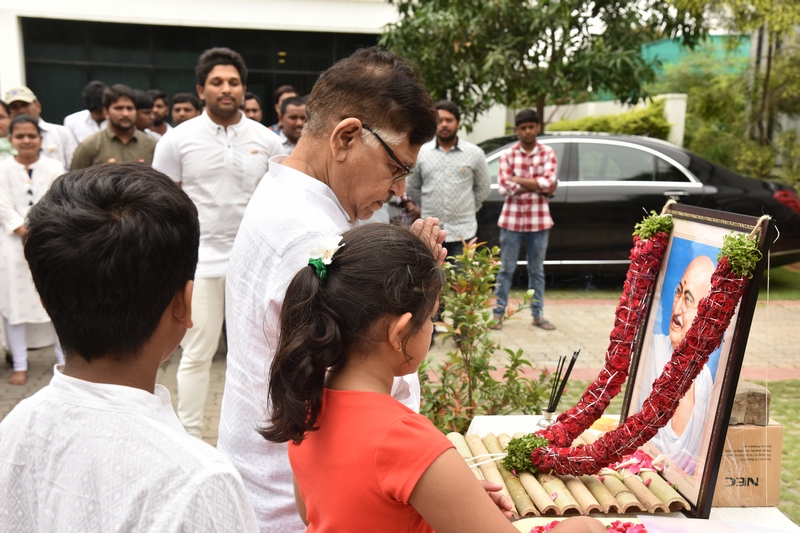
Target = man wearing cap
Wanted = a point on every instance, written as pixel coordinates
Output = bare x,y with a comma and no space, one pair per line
57,141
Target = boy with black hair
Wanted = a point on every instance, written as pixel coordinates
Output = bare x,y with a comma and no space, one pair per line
112,251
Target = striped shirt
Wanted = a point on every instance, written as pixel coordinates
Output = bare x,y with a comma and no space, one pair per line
523,210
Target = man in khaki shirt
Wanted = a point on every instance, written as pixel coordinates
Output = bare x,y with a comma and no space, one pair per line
120,141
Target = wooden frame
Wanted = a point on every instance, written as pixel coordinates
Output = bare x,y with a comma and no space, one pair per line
694,445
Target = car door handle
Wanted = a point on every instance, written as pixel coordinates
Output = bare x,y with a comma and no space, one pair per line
676,193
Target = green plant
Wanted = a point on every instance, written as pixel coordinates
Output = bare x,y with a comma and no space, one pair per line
647,121
789,150
754,160
467,383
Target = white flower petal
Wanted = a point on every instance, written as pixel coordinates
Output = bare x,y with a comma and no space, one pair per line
327,246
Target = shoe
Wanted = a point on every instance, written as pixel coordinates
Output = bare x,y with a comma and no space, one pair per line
499,322
543,323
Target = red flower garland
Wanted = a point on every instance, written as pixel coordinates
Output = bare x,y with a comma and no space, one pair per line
645,258
714,314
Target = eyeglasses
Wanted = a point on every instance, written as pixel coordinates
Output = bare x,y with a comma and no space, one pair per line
407,170
686,295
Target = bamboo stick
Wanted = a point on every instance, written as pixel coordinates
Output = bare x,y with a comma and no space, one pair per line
607,502
665,492
460,443
489,469
520,498
582,495
623,495
650,501
563,498
541,499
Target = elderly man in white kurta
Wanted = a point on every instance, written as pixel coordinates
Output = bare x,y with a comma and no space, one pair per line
342,171
218,159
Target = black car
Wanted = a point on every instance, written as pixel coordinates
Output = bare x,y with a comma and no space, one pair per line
608,183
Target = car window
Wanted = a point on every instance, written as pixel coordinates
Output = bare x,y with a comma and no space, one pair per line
608,162
494,165
668,172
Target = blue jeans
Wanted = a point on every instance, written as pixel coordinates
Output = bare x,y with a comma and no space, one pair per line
536,246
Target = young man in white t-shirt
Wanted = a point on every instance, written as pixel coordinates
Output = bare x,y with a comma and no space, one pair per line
218,159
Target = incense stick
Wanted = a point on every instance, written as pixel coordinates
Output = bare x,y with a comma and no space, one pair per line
556,380
565,378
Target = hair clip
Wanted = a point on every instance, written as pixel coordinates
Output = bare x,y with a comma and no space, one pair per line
322,255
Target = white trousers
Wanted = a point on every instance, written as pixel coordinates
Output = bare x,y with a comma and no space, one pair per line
199,346
18,345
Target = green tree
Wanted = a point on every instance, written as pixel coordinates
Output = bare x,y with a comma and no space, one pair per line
521,53
717,98
776,22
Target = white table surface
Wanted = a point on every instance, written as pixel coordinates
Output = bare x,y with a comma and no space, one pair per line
762,519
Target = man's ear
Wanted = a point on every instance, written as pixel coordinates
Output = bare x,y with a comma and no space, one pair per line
343,137
182,308
201,92
397,330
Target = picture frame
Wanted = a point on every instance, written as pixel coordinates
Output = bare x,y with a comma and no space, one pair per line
694,439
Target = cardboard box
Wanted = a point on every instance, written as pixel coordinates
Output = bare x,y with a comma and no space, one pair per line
750,470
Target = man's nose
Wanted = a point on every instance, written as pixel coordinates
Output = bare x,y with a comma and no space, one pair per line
399,187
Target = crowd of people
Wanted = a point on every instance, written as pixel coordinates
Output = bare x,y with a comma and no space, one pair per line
159,233
118,124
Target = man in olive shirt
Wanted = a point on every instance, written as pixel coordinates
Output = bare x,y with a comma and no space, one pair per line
120,141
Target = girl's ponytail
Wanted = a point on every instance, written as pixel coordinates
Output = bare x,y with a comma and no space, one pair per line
331,308
310,343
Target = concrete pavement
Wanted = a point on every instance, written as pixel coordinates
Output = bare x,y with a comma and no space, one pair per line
773,350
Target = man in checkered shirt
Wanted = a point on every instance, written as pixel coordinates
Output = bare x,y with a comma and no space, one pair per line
527,179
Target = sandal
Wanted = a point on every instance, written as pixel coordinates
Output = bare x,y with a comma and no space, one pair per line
543,323
498,325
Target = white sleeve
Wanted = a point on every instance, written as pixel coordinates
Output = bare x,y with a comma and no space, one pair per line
167,158
406,390
9,217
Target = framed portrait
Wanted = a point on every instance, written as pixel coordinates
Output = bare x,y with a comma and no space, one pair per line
692,442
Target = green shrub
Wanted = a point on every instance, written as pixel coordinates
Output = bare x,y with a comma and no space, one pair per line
465,385
754,160
648,121
788,147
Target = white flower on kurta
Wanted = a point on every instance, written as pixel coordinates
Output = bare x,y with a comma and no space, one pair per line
327,246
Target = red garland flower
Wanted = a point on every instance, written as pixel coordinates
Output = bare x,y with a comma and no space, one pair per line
714,314
645,258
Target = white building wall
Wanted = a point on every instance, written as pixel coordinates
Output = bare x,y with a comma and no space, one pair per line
340,16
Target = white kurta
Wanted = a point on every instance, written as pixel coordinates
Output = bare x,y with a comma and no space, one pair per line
284,221
19,301
95,457
684,449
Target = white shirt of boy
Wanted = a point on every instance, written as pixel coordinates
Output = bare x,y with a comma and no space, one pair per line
288,214
96,457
